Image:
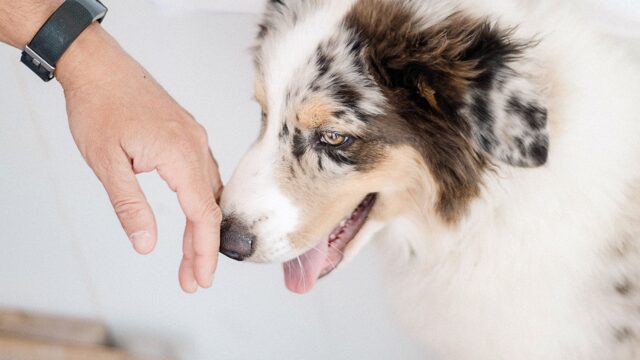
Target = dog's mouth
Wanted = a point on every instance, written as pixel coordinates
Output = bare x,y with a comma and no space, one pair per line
301,273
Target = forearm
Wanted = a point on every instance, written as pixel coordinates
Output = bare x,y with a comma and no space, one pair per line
91,53
21,19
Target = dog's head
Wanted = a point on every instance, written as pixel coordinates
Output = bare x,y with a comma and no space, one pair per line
369,108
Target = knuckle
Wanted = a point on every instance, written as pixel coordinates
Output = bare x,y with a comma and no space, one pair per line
129,208
174,130
210,211
201,136
99,158
187,136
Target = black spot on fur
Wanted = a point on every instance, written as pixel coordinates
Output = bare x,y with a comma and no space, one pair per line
356,46
323,63
624,334
349,97
263,124
339,158
535,116
346,93
284,133
288,96
263,31
624,288
487,142
292,171
520,144
320,166
539,151
493,49
299,145
480,111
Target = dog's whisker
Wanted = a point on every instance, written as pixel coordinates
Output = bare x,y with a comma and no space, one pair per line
336,249
304,277
333,265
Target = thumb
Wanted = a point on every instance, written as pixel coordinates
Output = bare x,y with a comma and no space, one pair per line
129,203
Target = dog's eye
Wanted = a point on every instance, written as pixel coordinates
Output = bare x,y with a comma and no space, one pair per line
334,139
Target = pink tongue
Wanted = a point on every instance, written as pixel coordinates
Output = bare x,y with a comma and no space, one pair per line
301,273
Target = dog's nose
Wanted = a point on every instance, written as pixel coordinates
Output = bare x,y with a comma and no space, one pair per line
236,240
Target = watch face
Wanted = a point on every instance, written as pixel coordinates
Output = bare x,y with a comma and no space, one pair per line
95,8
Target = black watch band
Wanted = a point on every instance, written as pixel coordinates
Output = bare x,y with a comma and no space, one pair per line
58,33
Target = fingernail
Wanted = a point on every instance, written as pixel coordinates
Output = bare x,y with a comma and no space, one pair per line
194,287
142,241
209,282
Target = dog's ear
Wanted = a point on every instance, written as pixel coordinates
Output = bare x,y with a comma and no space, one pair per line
473,71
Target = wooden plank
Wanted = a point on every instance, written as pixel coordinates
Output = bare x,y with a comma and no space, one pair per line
26,349
52,328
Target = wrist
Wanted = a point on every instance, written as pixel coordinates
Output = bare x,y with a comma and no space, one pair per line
90,57
20,23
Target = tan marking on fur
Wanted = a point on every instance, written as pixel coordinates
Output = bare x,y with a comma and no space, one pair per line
323,205
401,179
405,184
429,94
314,113
260,92
261,98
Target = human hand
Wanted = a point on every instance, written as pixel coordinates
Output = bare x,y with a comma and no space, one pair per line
125,123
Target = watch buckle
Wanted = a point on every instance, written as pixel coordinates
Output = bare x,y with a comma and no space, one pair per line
36,61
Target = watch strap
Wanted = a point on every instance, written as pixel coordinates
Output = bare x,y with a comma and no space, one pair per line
58,33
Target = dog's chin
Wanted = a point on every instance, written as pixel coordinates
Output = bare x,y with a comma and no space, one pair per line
302,272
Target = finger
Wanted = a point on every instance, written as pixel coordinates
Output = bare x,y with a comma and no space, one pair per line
197,200
203,213
186,274
129,202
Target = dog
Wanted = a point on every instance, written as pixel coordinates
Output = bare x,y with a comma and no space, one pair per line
491,148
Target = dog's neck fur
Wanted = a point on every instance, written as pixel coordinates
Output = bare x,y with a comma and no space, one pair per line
543,239
550,251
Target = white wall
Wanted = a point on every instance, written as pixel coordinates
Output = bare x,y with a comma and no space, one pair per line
64,252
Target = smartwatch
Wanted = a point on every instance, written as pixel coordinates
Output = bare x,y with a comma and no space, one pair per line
58,33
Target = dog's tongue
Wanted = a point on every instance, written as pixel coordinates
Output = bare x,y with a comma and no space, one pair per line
301,273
